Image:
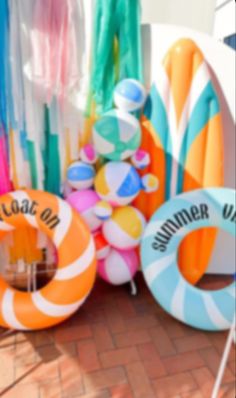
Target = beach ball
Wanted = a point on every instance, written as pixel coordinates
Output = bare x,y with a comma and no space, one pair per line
80,175
103,210
88,154
129,95
102,247
84,202
150,183
125,228
118,183
140,159
119,267
117,135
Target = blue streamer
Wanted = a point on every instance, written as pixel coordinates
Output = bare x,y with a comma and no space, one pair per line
4,65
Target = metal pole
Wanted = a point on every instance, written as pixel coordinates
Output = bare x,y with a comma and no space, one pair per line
134,290
221,371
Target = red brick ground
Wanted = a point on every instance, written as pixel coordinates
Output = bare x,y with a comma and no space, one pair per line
116,346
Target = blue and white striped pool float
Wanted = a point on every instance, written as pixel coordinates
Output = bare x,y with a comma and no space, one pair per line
207,310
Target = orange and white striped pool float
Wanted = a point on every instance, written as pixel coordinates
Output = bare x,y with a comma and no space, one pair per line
76,270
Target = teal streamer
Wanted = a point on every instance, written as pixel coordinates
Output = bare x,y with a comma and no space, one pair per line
51,154
115,20
33,164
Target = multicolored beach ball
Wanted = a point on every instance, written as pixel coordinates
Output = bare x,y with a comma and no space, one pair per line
150,183
125,228
117,135
140,159
103,210
118,183
84,202
118,267
80,175
102,247
130,95
88,154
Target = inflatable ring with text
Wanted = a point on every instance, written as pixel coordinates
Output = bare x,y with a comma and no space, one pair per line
76,271
207,310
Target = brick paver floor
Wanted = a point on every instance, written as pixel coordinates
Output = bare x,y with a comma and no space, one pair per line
116,346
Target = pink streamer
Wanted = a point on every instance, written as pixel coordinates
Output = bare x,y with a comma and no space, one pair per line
5,183
54,47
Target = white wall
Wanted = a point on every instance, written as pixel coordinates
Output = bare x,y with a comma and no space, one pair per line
195,14
224,18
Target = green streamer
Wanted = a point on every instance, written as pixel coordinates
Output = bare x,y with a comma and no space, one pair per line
51,157
33,165
116,49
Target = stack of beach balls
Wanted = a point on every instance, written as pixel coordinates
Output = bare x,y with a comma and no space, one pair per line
103,195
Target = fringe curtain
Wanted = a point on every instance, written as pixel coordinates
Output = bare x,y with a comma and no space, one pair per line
45,48
5,184
116,49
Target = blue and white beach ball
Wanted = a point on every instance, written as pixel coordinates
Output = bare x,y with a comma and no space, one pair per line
130,95
103,210
117,135
80,175
118,183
